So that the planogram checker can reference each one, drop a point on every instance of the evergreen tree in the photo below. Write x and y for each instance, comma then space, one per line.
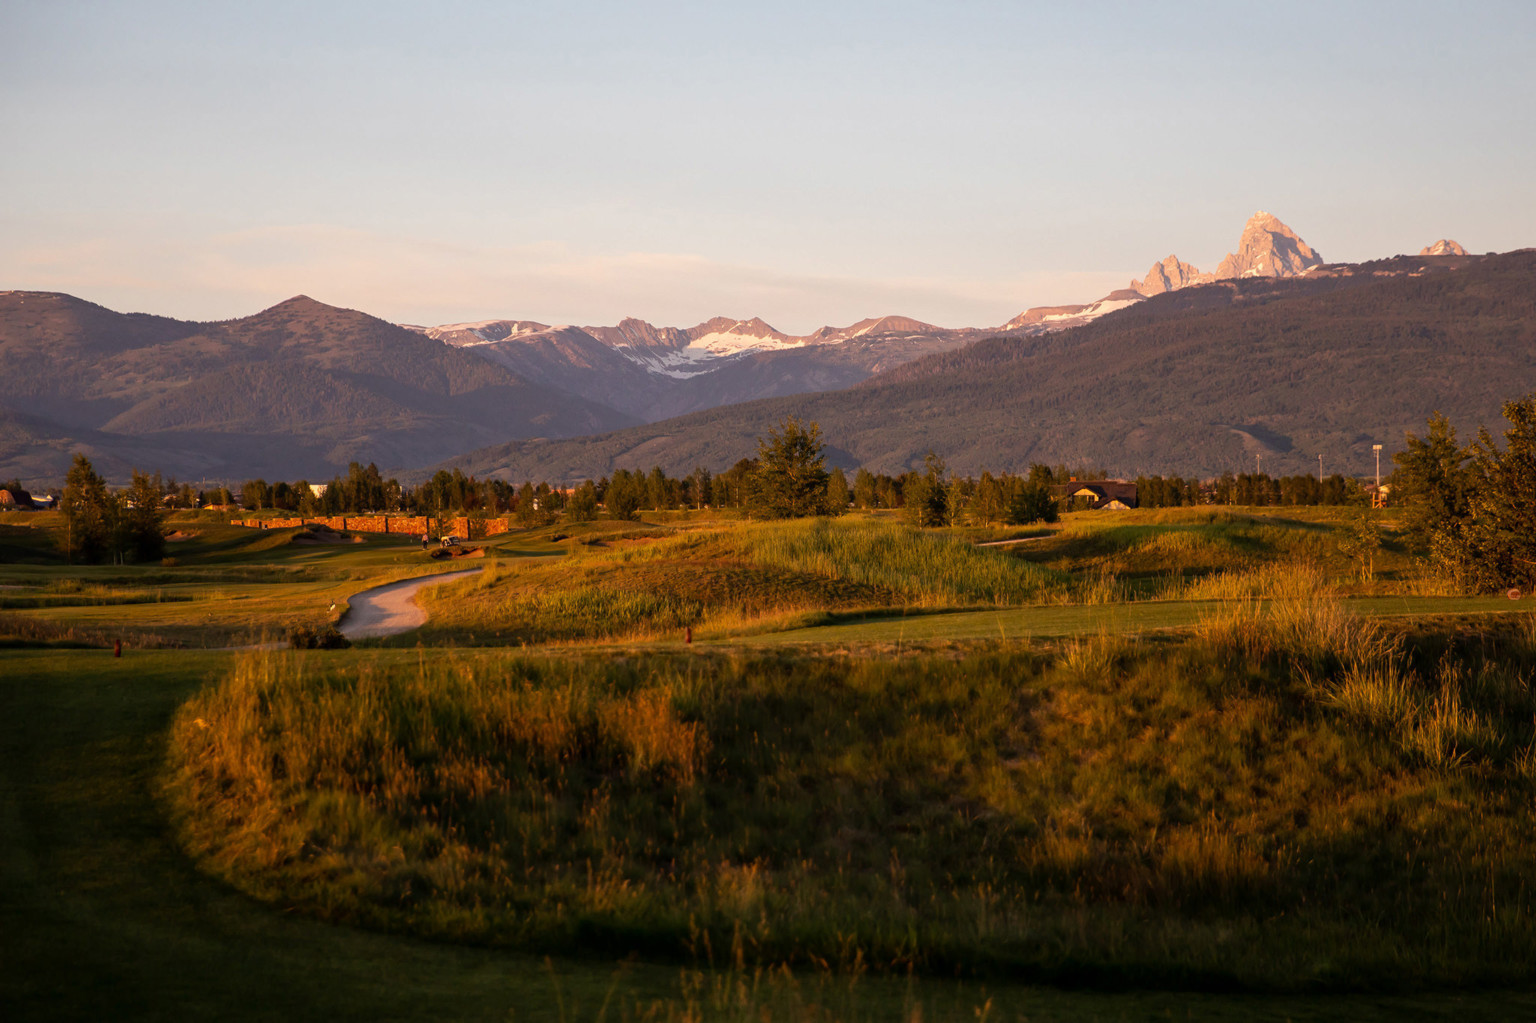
927, 493
837, 492
791, 476
864, 494
988, 505
531, 510
582, 507
1031, 502
1501, 538
141, 518
656, 495
624, 495
89, 512
1431, 482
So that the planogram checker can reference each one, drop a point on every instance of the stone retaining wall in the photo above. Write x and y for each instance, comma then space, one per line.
408, 525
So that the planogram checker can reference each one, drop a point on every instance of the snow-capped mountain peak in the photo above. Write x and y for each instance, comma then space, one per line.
465, 335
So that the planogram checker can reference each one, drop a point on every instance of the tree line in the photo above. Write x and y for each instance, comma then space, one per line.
1257, 488
102, 524
1472, 508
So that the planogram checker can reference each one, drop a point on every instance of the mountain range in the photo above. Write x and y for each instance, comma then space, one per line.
302, 388
655, 373
1257, 370
297, 390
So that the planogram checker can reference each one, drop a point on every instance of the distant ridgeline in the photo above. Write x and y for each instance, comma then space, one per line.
1275, 355
1197, 381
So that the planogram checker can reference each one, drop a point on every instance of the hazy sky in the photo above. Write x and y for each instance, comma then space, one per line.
807, 163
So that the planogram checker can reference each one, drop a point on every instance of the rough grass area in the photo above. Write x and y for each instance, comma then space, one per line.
1288, 799
726, 580
1221, 553
928, 569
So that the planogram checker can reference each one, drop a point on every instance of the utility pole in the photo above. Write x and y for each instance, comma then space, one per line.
1319, 467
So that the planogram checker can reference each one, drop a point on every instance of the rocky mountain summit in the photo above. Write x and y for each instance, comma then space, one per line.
1267, 248
1169, 275
1443, 247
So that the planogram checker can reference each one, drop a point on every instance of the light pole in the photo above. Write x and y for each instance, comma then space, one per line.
1319, 467
1376, 501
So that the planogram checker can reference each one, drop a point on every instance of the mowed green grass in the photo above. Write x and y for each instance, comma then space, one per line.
1090, 619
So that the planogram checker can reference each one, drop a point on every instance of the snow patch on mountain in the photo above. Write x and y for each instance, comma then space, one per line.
1093, 311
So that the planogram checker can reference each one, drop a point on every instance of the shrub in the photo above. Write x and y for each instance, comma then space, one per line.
317, 637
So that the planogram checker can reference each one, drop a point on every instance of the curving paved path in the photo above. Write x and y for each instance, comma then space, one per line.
392, 609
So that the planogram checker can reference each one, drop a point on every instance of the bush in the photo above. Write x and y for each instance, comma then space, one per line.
317, 637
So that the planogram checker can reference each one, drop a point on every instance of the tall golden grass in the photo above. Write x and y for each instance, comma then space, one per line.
926, 568
1055, 808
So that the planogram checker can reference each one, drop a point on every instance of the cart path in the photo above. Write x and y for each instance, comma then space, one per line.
389, 610
1022, 539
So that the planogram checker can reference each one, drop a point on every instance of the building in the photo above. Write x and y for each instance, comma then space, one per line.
1097, 495
16, 499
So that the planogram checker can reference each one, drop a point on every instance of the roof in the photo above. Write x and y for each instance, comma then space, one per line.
1104, 490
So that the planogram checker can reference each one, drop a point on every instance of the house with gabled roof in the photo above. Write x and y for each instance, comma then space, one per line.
1097, 495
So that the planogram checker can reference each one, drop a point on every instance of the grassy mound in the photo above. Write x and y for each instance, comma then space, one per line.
1288, 799
726, 578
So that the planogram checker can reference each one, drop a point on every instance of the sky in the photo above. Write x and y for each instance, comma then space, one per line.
809, 163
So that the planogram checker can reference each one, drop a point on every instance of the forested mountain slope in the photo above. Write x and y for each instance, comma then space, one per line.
1199, 380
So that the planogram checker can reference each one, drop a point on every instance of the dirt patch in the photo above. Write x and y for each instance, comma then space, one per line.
179, 536
455, 553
